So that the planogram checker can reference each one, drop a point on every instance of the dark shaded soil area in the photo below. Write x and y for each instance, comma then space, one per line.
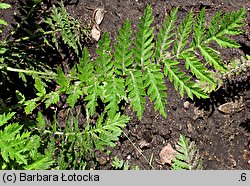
223, 140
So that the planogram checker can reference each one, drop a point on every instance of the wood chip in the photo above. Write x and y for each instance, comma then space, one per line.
167, 154
98, 15
97, 18
95, 32
232, 106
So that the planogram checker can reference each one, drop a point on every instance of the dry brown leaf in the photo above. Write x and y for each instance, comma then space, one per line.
98, 15
167, 154
232, 107
95, 32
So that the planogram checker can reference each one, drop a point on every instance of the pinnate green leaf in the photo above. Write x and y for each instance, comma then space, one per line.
136, 91
4, 118
156, 88
29, 106
51, 98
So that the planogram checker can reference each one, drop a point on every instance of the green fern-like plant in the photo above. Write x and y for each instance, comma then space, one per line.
187, 157
19, 150
74, 145
132, 72
236, 67
189, 52
108, 130
64, 27
128, 71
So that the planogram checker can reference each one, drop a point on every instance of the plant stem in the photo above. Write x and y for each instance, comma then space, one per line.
28, 71
149, 162
30, 37
49, 74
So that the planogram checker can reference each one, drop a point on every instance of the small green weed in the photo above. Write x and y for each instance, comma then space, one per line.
121, 165
187, 157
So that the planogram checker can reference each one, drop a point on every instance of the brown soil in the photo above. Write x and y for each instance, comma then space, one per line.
223, 140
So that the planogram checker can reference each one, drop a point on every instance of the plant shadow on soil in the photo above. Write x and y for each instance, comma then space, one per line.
222, 139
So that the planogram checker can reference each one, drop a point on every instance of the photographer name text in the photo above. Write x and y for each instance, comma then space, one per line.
61, 177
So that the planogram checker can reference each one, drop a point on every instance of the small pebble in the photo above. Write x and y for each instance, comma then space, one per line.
128, 157
186, 104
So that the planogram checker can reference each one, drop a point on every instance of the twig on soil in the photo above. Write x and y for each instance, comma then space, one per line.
149, 161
